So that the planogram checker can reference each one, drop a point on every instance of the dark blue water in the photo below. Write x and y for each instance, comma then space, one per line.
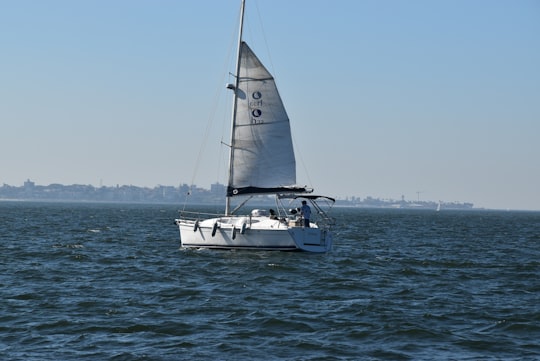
109, 282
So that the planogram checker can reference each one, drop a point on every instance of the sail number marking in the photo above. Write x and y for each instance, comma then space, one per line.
254, 106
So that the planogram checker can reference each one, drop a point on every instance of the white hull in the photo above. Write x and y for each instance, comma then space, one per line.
260, 233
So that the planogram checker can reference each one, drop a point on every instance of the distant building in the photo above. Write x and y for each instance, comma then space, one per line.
217, 189
29, 185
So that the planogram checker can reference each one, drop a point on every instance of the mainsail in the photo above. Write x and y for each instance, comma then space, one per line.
262, 155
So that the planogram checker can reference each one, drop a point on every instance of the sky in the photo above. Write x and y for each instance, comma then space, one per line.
430, 100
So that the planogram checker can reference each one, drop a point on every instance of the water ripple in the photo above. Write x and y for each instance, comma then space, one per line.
108, 282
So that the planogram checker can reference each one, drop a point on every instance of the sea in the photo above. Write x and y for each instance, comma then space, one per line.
94, 281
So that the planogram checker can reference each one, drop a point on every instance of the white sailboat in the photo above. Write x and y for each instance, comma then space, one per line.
261, 162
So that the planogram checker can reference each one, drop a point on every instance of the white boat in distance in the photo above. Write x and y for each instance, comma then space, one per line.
261, 162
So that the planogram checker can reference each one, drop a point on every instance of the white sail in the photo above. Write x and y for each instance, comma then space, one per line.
261, 160
262, 155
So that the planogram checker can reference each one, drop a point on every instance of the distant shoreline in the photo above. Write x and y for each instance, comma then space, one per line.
338, 206
29, 191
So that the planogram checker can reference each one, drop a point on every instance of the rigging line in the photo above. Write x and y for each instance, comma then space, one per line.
209, 123
211, 116
297, 151
265, 39
228, 107
224, 148
274, 76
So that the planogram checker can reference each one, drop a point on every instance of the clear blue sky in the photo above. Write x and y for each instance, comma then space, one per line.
386, 98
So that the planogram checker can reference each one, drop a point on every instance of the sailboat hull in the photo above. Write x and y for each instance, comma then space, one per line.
261, 162
252, 233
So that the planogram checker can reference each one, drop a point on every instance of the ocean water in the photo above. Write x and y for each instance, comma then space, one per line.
109, 282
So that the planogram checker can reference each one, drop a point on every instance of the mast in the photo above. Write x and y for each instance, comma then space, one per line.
235, 105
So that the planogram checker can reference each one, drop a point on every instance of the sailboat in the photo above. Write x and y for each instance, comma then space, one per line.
261, 162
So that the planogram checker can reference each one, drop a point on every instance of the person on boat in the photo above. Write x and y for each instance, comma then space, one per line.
305, 211
273, 214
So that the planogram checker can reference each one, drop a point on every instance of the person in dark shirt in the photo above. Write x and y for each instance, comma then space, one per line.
305, 211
